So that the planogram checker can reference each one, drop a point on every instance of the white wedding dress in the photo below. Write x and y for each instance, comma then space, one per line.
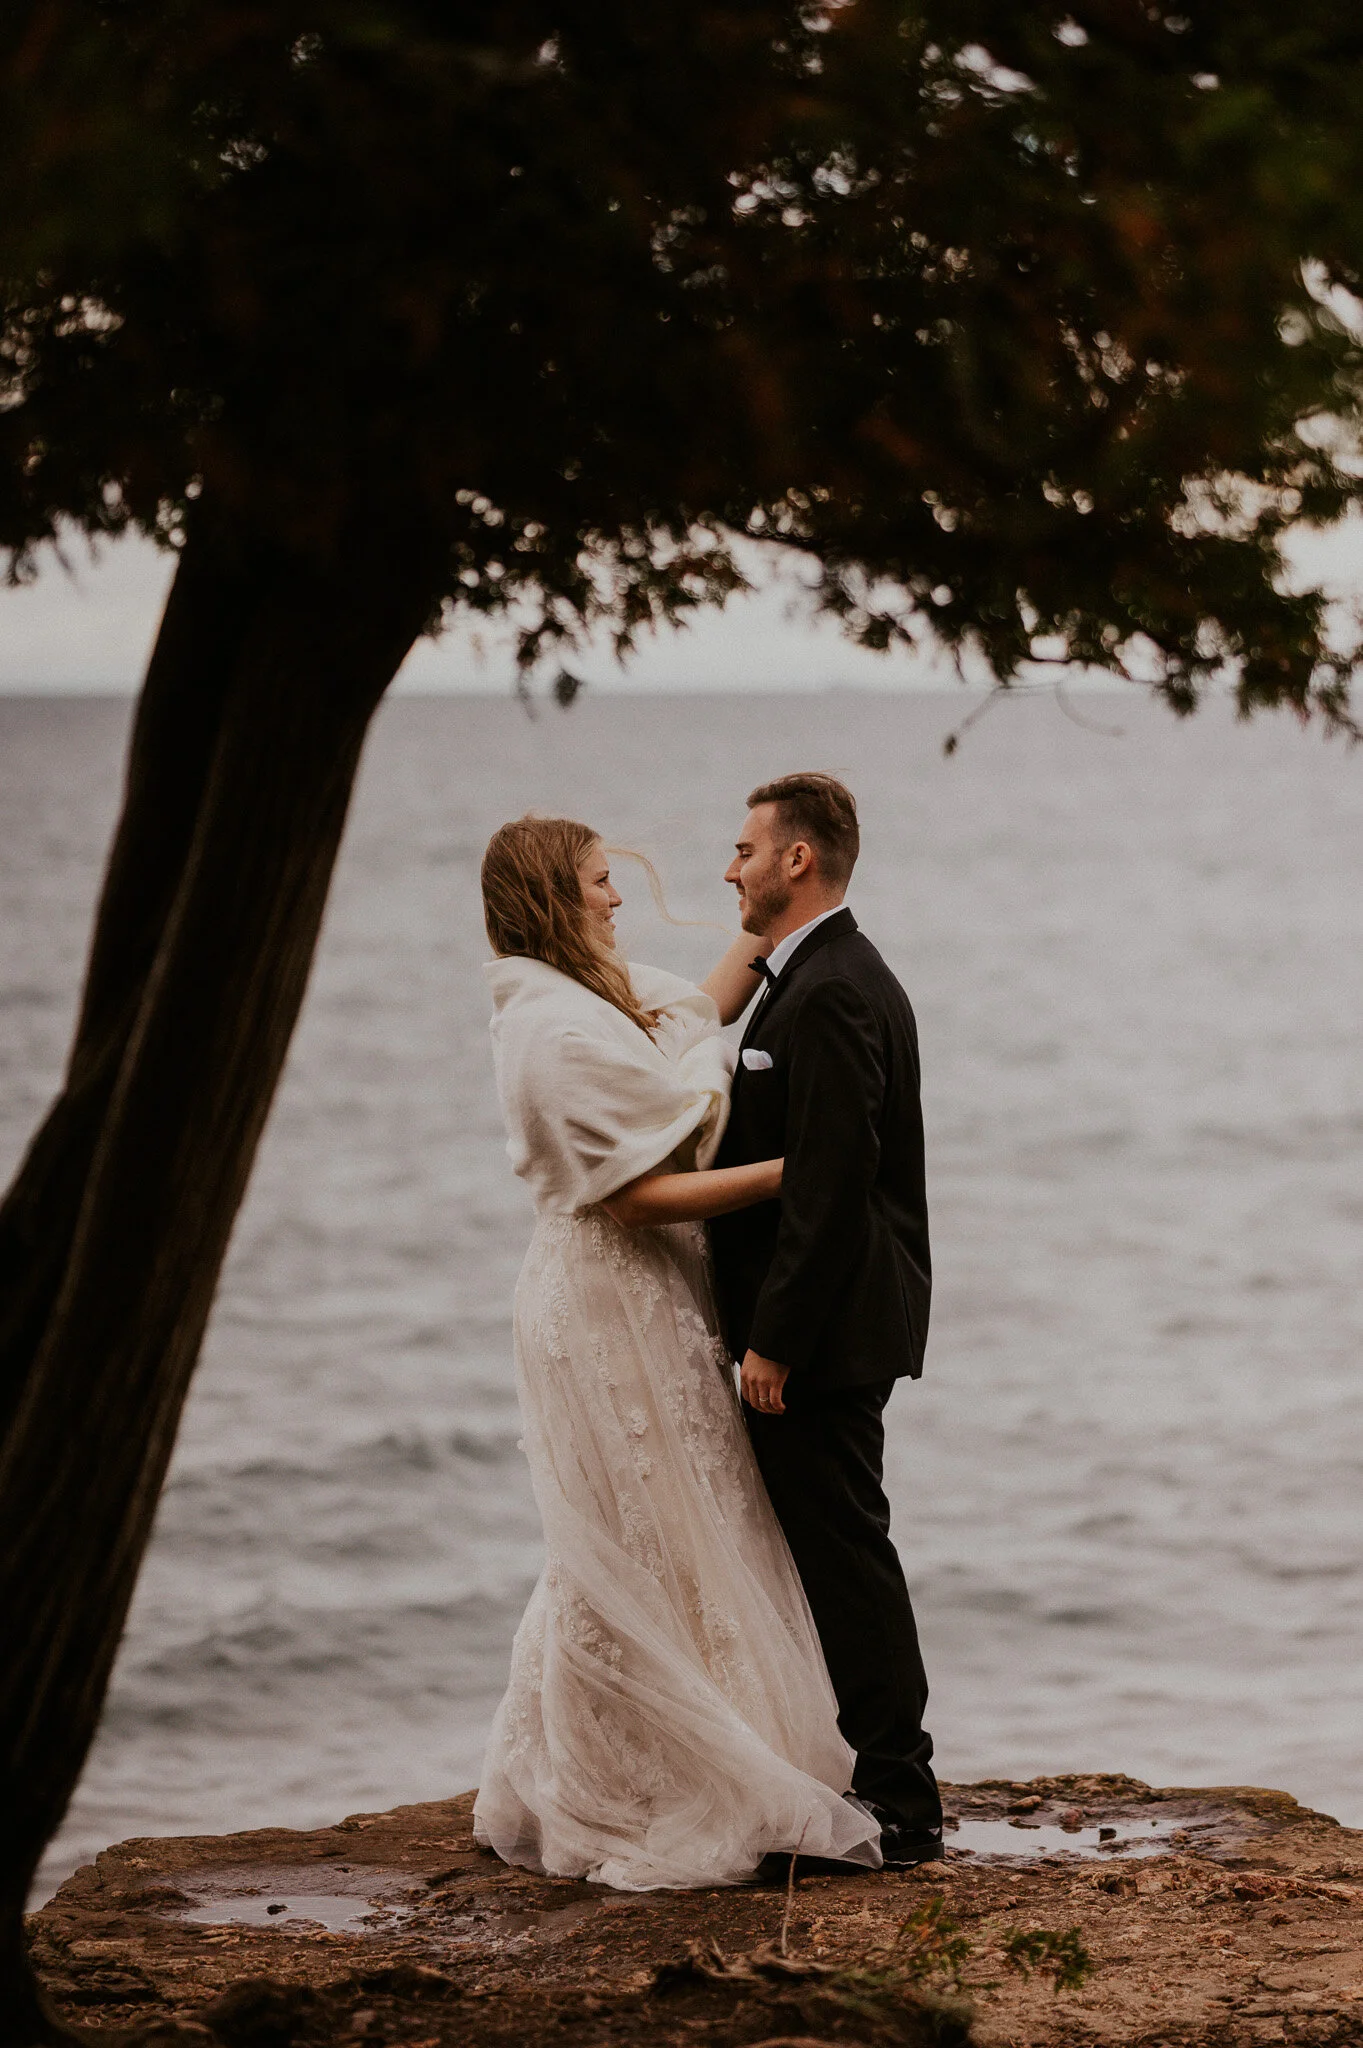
669, 1720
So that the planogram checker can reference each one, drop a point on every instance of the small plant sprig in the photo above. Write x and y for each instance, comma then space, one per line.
930, 1943
1057, 1952
927, 1944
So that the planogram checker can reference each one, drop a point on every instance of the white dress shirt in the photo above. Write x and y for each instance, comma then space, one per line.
779, 955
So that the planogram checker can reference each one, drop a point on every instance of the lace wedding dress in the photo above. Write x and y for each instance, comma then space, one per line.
669, 1720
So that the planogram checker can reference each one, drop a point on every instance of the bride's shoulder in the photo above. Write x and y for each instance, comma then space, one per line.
542, 1012
530, 995
519, 979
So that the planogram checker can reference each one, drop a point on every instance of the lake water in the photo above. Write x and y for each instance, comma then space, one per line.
1129, 1491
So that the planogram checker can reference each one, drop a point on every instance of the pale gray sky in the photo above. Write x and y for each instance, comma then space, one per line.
87, 627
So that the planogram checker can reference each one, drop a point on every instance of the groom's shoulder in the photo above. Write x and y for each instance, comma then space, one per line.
848, 957
853, 957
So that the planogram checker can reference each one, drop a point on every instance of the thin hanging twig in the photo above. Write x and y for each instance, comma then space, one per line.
953, 739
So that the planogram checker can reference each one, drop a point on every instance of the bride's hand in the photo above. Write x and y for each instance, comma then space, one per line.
731, 982
772, 1172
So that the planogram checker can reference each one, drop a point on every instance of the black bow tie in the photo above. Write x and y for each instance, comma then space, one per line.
761, 967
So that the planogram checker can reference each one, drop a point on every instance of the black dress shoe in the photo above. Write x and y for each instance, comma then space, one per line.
902, 1847
904, 1844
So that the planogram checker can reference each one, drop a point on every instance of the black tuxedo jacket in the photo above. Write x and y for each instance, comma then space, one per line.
833, 1280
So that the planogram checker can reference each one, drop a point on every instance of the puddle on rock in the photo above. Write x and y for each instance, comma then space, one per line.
284, 1911
1028, 1841
295, 1896
256, 1896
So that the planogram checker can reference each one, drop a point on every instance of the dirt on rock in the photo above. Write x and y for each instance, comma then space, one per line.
1074, 1910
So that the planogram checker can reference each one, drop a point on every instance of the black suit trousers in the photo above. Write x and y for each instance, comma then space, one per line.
822, 1463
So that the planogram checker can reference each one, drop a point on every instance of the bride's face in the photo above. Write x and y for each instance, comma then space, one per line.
599, 893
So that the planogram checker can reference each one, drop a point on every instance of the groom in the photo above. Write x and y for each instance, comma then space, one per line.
824, 1295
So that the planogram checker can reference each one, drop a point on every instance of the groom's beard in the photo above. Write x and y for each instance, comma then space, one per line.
764, 904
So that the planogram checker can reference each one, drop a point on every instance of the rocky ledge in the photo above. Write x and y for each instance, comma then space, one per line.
1069, 1910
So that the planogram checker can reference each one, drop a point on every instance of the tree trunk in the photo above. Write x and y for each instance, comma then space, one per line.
264, 680
169, 756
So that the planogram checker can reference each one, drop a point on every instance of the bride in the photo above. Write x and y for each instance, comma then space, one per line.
669, 1720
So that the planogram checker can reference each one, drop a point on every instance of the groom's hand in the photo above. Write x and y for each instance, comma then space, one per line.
761, 1380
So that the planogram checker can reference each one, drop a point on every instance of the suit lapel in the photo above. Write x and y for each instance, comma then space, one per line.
836, 927
763, 1004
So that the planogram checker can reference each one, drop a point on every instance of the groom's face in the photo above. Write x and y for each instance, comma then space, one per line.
758, 872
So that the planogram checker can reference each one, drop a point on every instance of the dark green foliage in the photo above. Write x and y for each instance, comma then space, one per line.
1058, 1953
996, 310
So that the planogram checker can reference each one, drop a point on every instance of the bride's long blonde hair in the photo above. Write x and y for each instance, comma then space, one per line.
534, 908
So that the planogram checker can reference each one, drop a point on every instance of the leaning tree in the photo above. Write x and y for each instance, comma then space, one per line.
1031, 328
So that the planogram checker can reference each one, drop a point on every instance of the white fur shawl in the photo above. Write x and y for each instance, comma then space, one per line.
590, 1101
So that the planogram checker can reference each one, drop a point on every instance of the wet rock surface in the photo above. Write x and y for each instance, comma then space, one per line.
1069, 1910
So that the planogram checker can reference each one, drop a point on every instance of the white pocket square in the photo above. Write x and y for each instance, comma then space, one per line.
756, 1062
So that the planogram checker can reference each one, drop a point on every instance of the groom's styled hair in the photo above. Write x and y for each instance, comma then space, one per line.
820, 809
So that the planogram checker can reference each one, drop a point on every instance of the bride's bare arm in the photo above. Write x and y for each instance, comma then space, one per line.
691, 1197
731, 981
